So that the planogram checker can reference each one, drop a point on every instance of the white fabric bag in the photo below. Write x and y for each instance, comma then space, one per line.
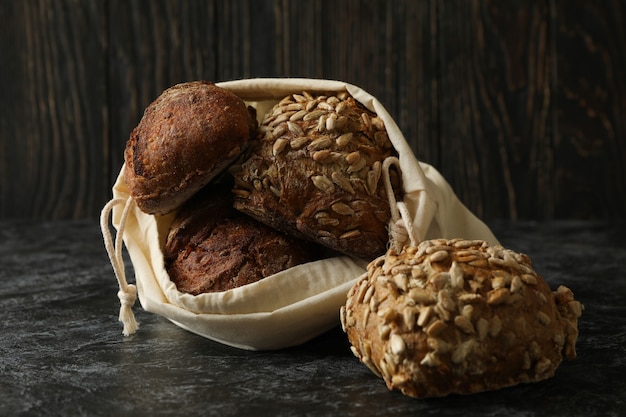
297, 304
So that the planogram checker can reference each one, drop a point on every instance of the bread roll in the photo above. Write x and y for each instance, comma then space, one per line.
456, 316
212, 247
188, 135
315, 173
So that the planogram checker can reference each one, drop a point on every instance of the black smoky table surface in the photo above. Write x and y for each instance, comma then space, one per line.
62, 352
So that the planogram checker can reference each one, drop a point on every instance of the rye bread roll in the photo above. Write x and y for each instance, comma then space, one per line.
187, 136
315, 173
456, 316
212, 247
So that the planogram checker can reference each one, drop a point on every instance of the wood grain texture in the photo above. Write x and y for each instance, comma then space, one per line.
54, 130
495, 106
519, 104
590, 141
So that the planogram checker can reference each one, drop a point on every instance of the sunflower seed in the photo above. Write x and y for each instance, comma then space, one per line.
462, 244
321, 125
331, 122
297, 143
353, 157
495, 325
543, 366
408, 316
323, 183
275, 191
342, 182
315, 114
286, 101
282, 118
445, 301
342, 208
534, 349
373, 176
430, 360
461, 352
300, 98
342, 318
467, 311
241, 193
387, 315
498, 296
482, 327
397, 345
328, 221
516, 284
321, 156
378, 123
497, 283
422, 296
350, 234
456, 275
529, 279
298, 115
435, 328
374, 303
367, 297
344, 139
320, 143
279, 131
293, 106
401, 281
470, 298
366, 120
279, 146
440, 279
324, 105
464, 325
479, 263
356, 167
543, 318
295, 128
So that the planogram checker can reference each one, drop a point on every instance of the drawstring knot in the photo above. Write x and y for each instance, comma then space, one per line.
127, 292
127, 300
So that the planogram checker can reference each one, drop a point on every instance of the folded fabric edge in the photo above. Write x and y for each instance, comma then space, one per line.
286, 327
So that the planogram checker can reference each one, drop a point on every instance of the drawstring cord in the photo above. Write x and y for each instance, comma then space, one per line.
400, 225
127, 292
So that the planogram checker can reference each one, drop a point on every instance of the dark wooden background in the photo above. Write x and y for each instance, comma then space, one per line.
520, 104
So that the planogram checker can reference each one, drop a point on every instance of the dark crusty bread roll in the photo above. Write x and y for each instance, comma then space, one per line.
315, 173
212, 247
189, 134
456, 316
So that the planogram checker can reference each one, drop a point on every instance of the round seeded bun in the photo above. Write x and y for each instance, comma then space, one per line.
212, 247
457, 316
188, 135
315, 173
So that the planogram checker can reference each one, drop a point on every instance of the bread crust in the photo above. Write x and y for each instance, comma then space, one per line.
212, 247
315, 173
187, 136
455, 316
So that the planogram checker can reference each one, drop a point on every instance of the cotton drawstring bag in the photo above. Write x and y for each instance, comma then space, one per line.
297, 304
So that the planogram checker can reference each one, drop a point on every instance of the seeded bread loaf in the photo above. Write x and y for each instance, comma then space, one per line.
315, 173
189, 134
212, 247
456, 316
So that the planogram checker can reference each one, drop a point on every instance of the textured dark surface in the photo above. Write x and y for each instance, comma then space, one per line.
62, 352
